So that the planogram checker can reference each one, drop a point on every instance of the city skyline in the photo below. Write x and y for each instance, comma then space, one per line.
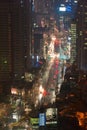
23, 25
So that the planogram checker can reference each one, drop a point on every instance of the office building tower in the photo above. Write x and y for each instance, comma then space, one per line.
73, 42
40, 20
15, 39
65, 9
42, 12
82, 34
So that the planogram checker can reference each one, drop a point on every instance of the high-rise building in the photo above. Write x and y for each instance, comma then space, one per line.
82, 34
42, 15
65, 9
40, 21
15, 39
73, 42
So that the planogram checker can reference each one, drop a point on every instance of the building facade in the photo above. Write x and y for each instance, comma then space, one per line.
73, 42
15, 39
42, 12
82, 35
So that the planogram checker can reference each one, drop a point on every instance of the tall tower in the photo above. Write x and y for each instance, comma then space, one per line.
73, 42
15, 39
41, 10
5, 43
82, 34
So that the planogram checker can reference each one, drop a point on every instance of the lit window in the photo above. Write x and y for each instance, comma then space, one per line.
85, 43
81, 5
21, 3
75, 1
85, 48
66, 1
80, 33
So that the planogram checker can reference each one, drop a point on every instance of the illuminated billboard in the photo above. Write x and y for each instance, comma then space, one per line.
51, 116
42, 119
68, 8
62, 9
